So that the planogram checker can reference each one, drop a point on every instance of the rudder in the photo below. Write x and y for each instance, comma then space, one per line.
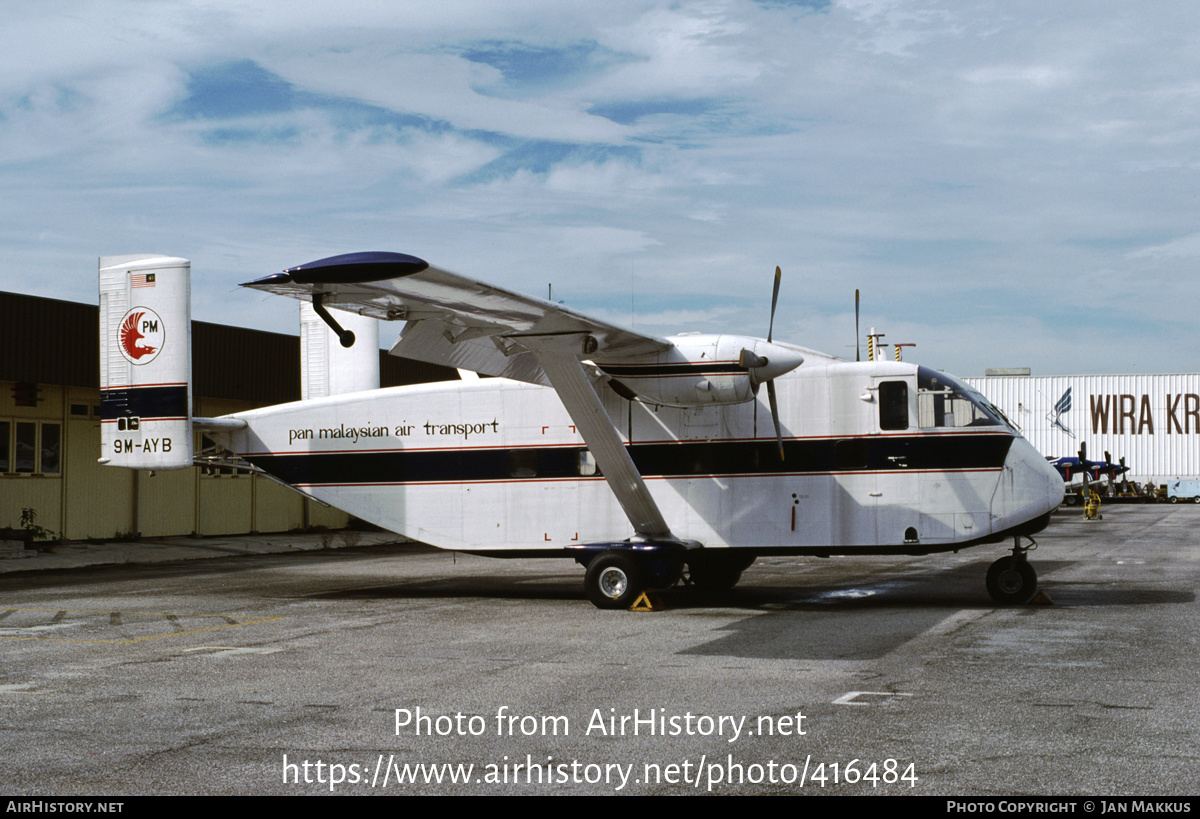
145, 362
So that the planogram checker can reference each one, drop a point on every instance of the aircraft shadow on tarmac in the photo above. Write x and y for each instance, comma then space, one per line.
851, 621
869, 620
859, 617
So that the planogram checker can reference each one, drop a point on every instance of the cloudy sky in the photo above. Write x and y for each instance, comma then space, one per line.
1008, 183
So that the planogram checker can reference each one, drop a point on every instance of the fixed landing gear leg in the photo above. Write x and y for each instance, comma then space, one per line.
1011, 580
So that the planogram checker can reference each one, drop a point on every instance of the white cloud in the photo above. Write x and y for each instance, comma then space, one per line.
1185, 247
972, 167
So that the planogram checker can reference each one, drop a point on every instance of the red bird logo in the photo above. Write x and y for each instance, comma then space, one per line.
130, 338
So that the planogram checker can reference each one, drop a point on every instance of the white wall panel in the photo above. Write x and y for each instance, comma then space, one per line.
1153, 421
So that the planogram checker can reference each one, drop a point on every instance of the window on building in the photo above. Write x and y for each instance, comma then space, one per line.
30, 447
51, 440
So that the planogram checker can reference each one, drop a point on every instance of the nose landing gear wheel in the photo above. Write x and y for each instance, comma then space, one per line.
1011, 580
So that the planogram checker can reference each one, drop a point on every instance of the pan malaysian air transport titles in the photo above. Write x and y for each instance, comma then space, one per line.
643, 458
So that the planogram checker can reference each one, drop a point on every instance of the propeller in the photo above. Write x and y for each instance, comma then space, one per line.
774, 302
1085, 466
760, 369
856, 335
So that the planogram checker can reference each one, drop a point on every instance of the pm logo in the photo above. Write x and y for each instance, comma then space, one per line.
141, 335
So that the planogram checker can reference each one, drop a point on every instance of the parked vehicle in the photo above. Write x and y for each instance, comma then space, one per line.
1183, 489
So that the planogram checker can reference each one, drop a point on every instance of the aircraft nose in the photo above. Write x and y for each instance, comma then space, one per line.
1029, 489
1054, 487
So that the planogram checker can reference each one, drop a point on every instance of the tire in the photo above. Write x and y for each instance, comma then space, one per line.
1196, 499
1011, 581
613, 581
1174, 500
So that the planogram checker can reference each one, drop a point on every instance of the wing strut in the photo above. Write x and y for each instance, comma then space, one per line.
571, 383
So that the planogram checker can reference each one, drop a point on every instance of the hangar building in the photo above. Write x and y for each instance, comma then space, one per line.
50, 430
1152, 421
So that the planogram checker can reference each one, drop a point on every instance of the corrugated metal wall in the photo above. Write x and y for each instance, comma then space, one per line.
1153, 421
54, 346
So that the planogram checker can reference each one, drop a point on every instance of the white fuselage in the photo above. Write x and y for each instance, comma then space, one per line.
498, 466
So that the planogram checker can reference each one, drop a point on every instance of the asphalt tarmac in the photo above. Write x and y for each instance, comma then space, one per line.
301, 665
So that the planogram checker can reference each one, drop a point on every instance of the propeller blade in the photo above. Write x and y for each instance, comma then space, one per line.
774, 301
1085, 466
856, 336
775, 415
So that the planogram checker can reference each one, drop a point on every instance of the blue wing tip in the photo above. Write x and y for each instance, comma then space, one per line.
349, 268
274, 278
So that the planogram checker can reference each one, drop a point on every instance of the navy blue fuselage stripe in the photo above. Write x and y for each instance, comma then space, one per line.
657, 370
688, 459
144, 402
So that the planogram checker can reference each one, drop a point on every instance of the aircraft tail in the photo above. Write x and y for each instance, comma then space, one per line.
145, 362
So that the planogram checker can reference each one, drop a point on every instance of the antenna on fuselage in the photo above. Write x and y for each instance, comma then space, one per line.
873, 343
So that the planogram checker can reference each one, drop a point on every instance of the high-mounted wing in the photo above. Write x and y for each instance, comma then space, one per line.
463, 323
452, 320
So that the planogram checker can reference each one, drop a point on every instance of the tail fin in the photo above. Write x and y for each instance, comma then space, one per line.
145, 362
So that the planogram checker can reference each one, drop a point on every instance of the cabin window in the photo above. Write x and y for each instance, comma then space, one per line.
893, 405
587, 464
522, 463
850, 453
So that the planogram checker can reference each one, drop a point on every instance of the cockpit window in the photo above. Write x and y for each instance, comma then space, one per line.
944, 401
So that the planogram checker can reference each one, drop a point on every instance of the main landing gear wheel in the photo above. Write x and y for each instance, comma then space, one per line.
1011, 580
613, 581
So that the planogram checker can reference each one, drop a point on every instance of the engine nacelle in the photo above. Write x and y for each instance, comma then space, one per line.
702, 369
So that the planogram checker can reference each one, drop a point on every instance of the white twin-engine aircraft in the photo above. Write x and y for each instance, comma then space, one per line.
640, 457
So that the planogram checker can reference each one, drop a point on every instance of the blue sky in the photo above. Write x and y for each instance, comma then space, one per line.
1009, 184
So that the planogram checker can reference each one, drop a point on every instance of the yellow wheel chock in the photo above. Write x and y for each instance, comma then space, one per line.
647, 601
